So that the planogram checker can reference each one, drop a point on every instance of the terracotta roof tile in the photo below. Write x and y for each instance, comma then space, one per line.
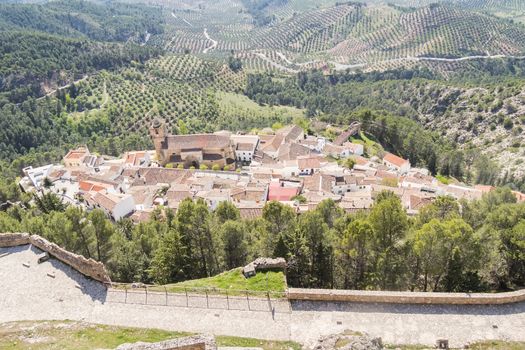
395, 160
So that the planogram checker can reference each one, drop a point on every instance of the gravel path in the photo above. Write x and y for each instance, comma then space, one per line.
29, 293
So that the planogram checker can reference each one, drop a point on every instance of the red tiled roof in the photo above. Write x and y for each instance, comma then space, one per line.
198, 141
279, 193
308, 163
484, 188
519, 196
393, 159
250, 213
77, 153
87, 186
105, 201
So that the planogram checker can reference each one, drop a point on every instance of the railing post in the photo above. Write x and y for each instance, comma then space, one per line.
207, 302
227, 300
166, 291
126, 297
248, 300
187, 301
146, 289
269, 302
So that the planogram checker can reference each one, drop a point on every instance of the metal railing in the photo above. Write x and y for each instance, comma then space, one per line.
195, 297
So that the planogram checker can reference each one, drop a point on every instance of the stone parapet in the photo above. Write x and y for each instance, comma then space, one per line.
13, 239
87, 267
334, 295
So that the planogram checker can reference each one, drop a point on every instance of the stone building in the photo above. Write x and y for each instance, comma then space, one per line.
191, 150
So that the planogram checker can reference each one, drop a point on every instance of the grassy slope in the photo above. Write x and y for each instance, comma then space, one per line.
234, 281
239, 109
69, 335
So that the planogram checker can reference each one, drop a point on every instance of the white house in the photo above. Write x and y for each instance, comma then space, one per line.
308, 165
116, 206
137, 159
314, 143
348, 183
245, 147
419, 182
214, 197
344, 151
37, 175
398, 164
353, 148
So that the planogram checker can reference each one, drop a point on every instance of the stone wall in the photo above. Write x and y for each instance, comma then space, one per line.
406, 297
13, 239
87, 267
198, 342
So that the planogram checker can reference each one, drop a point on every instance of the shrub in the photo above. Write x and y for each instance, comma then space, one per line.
508, 124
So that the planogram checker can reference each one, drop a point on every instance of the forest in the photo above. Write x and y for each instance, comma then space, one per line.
449, 246
111, 21
30, 61
259, 10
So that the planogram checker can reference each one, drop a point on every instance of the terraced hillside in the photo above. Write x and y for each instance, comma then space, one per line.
368, 36
204, 94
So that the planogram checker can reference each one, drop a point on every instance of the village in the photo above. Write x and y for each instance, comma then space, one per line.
285, 165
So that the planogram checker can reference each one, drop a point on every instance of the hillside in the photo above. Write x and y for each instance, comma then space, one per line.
345, 35
476, 117
203, 94
106, 22
33, 64
188, 63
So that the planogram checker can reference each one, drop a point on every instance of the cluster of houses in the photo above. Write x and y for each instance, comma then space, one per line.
247, 170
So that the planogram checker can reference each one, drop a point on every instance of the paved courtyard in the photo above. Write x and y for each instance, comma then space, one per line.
54, 291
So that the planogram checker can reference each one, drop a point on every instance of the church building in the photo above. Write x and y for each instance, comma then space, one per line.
191, 150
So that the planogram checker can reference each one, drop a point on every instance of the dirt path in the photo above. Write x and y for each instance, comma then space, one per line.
275, 64
214, 43
146, 39
106, 96
63, 87
183, 19
339, 66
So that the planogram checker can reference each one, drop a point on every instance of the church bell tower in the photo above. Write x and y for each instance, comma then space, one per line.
158, 133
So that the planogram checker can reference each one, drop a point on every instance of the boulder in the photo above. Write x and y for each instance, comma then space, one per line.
198, 342
348, 341
262, 264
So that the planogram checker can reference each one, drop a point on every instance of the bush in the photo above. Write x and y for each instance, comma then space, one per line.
508, 124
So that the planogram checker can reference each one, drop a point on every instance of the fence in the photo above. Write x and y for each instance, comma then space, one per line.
206, 298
